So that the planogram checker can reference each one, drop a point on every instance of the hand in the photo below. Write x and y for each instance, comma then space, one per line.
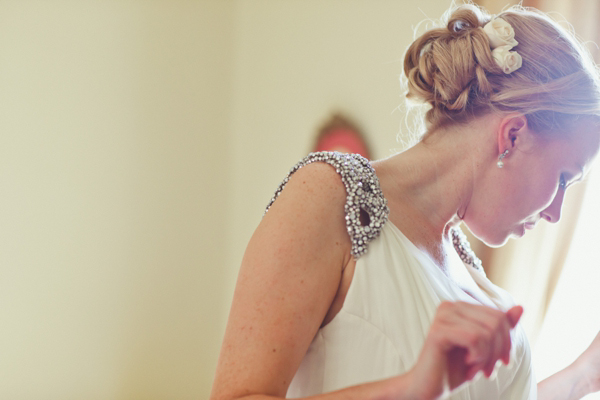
463, 339
589, 365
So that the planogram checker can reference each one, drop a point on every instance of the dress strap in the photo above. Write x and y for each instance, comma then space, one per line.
363, 196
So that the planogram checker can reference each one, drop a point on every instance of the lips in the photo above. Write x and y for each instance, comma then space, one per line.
529, 225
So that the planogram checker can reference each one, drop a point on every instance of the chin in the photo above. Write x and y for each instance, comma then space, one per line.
495, 243
490, 239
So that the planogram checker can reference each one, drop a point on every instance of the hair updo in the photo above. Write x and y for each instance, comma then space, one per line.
452, 70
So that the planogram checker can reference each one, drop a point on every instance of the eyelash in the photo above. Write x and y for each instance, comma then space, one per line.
562, 183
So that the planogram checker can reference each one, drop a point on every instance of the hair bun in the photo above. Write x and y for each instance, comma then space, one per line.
465, 18
452, 69
447, 67
459, 26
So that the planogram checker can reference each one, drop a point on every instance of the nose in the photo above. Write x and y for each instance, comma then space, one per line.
552, 212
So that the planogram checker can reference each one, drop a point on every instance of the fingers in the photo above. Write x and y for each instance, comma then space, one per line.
497, 323
473, 338
463, 339
456, 345
483, 331
514, 314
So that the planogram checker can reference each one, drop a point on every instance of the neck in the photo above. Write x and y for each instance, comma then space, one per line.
429, 186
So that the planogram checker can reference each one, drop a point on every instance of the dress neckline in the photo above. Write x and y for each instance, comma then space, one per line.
478, 277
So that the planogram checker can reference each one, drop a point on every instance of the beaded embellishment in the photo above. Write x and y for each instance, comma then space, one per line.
463, 248
362, 193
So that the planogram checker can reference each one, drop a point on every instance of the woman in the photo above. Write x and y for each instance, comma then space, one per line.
358, 284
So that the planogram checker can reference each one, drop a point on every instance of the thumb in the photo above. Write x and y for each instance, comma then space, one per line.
514, 314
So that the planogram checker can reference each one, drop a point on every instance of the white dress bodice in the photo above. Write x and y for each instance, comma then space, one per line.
381, 328
391, 302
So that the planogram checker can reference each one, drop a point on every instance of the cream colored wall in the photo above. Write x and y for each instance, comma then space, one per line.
113, 172
296, 62
140, 144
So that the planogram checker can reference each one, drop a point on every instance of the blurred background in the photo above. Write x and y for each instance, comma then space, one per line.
139, 144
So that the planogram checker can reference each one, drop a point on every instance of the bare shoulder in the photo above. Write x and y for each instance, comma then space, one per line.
315, 188
288, 279
306, 224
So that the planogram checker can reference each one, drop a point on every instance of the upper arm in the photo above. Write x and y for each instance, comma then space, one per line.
289, 276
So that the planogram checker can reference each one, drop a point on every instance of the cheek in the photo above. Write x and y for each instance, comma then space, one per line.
533, 196
545, 194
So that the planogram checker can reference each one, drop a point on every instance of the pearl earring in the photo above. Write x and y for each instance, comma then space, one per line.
500, 163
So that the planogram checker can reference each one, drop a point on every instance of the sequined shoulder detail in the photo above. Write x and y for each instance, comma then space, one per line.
362, 193
463, 248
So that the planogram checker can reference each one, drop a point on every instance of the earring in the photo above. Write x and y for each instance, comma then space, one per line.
500, 163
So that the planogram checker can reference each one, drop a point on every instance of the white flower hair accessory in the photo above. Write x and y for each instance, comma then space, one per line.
508, 60
502, 39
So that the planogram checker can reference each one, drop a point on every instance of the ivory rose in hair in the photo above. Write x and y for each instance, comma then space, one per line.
500, 33
508, 60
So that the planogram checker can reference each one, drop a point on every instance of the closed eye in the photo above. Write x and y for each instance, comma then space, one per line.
562, 183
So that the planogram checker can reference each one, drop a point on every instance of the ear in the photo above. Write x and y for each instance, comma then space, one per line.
512, 133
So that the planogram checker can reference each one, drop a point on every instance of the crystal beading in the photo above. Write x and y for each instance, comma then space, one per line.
362, 193
463, 248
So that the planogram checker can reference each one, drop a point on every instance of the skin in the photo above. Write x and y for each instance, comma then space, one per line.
297, 267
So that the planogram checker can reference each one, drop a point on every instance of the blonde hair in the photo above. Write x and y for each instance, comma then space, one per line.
451, 70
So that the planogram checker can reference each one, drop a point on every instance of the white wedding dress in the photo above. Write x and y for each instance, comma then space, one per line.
391, 302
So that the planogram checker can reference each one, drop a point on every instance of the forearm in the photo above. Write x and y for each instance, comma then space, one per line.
396, 388
568, 384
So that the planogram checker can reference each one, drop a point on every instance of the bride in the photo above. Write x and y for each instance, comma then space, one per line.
359, 284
